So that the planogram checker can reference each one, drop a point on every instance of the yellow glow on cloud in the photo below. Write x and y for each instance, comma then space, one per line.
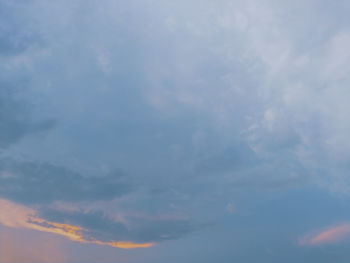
126, 245
328, 236
19, 216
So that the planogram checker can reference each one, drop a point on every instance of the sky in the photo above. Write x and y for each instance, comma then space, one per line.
153, 131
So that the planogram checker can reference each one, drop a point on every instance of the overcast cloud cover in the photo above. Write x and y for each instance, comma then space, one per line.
189, 131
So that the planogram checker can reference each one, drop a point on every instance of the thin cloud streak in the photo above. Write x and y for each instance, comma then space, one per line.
18, 216
330, 235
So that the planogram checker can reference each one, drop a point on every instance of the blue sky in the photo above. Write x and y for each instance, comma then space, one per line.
174, 131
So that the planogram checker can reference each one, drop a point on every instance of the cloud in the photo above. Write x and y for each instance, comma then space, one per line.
329, 235
95, 227
205, 100
35, 183
139, 229
18, 216
15, 118
15, 37
18, 42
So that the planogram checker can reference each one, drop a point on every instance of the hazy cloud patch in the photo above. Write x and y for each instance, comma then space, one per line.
141, 229
42, 183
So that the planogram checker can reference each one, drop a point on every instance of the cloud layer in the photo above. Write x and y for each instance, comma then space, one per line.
35, 183
221, 126
95, 227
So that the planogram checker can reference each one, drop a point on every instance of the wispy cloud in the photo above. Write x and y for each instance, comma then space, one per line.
329, 235
19, 216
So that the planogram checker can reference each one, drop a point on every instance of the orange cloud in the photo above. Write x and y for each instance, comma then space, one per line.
125, 245
19, 216
328, 236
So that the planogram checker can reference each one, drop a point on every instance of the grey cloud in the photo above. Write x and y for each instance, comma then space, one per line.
34, 183
158, 230
15, 119
241, 166
233, 158
16, 35
98, 226
14, 43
